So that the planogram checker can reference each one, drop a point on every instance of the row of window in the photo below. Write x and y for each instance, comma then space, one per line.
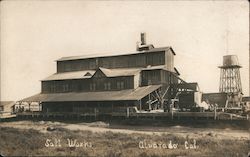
137, 60
107, 86
52, 87
158, 76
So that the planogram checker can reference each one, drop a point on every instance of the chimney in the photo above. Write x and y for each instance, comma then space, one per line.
137, 45
143, 38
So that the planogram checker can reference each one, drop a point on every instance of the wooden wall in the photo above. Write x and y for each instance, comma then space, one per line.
154, 77
151, 77
88, 107
169, 60
95, 84
123, 61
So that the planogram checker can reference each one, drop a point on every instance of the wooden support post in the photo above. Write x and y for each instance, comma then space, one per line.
140, 104
29, 105
149, 102
19, 106
215, 114
40, 106
95, 113
112, 105
172, 113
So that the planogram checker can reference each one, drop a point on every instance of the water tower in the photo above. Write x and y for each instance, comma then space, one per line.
230, 81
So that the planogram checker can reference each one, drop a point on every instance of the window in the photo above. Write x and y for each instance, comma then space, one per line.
52, 87
107, 86
1, 108
78, 86
120, 85
149, 82
65, 87
67, 66
92, 86
92, 64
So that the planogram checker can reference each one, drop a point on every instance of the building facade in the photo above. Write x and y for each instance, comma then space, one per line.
107, 83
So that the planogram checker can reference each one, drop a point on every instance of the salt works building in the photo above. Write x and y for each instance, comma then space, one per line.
145, 79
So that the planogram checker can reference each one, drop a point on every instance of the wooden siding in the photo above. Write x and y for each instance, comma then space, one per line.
154, 77
95, 84
123, 61
151, 77
168, 77
87, 107
137, 81
169, 60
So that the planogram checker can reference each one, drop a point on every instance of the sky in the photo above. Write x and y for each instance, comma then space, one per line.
36, 33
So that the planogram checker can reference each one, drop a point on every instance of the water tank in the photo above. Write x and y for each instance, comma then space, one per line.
230, 60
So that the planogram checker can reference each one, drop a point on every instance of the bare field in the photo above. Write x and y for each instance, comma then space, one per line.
101, 139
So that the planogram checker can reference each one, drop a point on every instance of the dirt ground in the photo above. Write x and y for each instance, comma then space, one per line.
23, 138
102, 127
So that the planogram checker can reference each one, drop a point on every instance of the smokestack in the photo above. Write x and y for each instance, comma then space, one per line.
143, 38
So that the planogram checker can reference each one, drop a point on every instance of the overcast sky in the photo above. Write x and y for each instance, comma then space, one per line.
36, 33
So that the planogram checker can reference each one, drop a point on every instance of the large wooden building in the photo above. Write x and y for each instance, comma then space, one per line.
146, 79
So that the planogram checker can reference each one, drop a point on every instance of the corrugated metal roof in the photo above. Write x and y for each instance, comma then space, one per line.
70, 75
109, 55
90, 73
108, 72
129, 94
120, 72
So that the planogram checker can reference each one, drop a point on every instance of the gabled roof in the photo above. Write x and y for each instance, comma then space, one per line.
70, 75
120, 72
172, 50
176, 71
109, 55
122, 95
89, 73
107, 72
